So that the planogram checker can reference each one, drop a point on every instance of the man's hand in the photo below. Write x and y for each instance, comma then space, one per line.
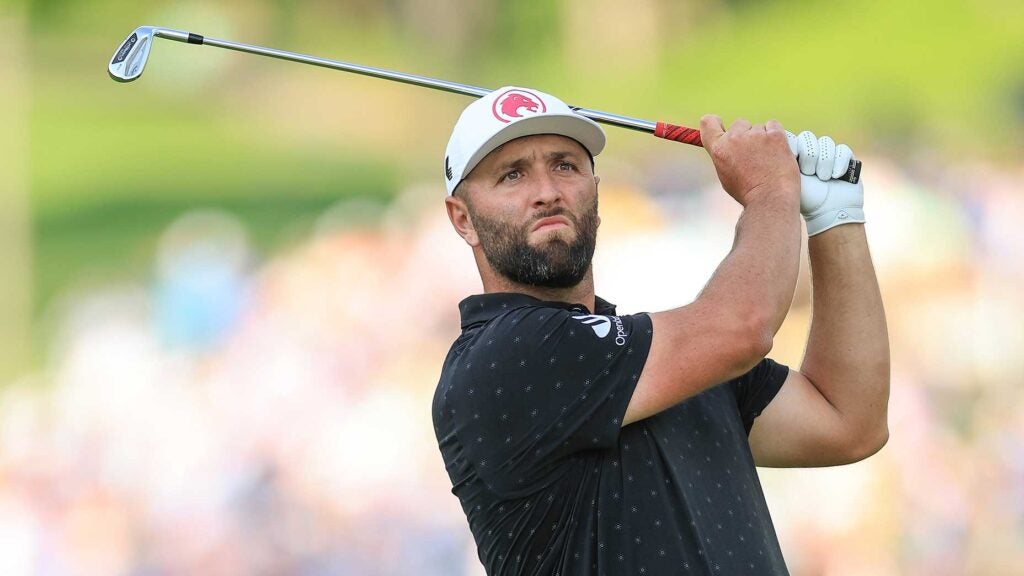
750, 160
824, 201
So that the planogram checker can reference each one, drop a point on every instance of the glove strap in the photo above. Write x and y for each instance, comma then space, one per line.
818, 223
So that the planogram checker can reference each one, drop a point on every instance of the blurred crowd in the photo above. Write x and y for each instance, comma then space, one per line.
245, 414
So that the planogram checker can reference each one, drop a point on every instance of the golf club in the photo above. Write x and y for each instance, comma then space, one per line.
129, 61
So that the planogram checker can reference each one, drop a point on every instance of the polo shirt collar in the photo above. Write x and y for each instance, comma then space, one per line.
484, 307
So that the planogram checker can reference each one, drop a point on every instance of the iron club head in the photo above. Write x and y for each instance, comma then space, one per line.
129, 60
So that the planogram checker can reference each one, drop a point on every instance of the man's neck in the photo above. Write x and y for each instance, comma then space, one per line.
582, 293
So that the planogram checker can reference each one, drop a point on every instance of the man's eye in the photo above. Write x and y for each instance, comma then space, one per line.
511, 175
566, 166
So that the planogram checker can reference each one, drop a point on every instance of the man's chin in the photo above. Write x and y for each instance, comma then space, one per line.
555, 251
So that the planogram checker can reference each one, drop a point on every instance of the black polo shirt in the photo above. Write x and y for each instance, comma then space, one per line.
528, 415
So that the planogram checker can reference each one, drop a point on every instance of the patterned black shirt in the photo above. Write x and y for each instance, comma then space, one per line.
528, 415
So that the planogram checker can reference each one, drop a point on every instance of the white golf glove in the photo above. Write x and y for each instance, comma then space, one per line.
824, 201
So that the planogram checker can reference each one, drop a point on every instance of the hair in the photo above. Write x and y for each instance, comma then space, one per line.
459, 193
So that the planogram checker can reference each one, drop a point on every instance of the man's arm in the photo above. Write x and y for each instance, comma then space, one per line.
834, 410
729, 328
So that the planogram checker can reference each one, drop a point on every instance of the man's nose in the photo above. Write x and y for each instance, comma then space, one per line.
548, 190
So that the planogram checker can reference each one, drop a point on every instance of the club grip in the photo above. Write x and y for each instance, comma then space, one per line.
692, 137
677, 133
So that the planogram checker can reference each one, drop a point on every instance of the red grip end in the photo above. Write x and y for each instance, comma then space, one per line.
678, 133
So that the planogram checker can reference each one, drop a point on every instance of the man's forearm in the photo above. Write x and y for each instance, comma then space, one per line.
847, 355
759, 275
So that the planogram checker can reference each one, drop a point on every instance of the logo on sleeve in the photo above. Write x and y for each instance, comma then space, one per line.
602, 325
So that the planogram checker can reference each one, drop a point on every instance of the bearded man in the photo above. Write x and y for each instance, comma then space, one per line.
584, 442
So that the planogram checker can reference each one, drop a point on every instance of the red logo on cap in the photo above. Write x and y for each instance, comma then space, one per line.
507, 105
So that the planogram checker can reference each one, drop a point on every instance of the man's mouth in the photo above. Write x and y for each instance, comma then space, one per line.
550, 223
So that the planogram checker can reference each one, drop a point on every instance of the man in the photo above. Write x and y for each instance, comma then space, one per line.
582, 442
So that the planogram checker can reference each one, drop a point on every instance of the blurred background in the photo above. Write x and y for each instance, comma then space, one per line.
228, 287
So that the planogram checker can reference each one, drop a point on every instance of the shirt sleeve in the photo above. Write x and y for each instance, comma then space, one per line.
756, 389
539, 384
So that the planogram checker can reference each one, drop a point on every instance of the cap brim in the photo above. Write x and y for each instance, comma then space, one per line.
579, 128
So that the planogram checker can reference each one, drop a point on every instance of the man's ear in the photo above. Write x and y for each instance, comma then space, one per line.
458, 213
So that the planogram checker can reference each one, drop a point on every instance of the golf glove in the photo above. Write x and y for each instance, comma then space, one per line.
825, 202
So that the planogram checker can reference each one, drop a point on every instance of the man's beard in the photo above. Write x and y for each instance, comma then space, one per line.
554, 264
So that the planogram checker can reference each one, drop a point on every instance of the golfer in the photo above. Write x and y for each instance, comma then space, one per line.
584, 442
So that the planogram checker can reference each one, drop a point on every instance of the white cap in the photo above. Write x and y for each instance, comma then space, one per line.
506, 114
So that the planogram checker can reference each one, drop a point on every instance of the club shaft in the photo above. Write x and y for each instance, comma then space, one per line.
128, 62
454, 87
